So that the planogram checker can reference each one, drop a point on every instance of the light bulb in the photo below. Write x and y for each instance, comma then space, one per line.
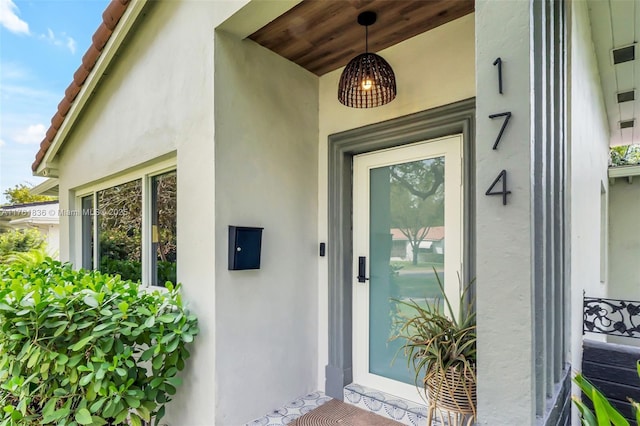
367, 84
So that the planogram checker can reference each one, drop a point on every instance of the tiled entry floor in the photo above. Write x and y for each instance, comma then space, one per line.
371, 400
385, 405
292, 410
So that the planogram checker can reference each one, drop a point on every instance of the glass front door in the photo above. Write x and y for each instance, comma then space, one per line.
407, 228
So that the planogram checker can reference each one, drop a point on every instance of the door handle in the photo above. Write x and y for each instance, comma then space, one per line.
362, 269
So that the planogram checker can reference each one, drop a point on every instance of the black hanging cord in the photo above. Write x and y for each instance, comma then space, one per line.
366, 39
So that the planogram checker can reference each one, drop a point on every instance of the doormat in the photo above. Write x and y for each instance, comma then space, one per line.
338, 413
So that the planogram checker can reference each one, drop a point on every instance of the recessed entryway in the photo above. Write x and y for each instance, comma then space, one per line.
453, 119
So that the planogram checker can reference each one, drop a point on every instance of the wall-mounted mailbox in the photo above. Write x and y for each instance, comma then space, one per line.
244, 247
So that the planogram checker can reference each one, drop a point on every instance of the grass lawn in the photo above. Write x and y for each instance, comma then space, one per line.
418, 286
427, 266
418, 281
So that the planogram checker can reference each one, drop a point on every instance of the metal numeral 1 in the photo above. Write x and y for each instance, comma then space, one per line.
498, 62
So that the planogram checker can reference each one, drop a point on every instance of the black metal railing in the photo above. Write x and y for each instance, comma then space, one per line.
611, 316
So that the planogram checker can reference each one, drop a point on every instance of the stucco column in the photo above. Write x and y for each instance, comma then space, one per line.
505, 305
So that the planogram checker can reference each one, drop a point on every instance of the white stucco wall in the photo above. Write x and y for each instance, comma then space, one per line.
624, 242
157, 101
432, 69
53, 239
504, 236
589, 141
266, 153
624, 245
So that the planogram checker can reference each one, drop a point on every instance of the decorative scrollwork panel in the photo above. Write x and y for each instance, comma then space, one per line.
612, 316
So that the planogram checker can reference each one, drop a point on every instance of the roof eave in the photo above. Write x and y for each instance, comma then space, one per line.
35, 221
624, 171
48, 166
48, 187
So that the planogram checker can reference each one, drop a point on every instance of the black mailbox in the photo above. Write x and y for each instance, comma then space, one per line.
244, 247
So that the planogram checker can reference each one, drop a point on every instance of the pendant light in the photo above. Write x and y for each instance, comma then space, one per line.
368, 80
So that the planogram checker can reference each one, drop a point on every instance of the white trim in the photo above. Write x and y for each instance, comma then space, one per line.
47, 166
36, 221
94, 229
451, 148
146, 244
152, 169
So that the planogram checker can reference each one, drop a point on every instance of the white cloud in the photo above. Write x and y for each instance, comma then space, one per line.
60, 40
13, 71
71, 44
9, 18
31, 135
1, 143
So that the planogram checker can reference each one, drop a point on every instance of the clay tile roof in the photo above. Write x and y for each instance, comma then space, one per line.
110, 18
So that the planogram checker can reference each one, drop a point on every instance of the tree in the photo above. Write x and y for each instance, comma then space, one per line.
417, 199
20, 241
21, 194
624, 155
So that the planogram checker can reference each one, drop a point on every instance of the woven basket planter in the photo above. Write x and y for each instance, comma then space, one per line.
453, 391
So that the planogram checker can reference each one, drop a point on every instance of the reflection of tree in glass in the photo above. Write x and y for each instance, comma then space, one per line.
120, 229
167, 208
417, 199
165, 211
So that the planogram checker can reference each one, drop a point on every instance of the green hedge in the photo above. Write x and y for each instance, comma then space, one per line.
86, 348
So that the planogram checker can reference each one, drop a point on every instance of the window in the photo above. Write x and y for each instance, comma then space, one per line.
87, 232
163, 228
129, 228
119, 221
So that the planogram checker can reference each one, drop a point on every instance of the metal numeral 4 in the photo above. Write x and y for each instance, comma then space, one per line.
501, 177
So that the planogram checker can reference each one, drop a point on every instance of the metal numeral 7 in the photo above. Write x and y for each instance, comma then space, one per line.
504, 125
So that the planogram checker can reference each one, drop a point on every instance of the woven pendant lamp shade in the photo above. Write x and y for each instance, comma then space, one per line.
367, 81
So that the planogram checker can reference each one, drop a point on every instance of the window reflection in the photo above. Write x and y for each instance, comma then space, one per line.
406, 238
119, 218
163, 232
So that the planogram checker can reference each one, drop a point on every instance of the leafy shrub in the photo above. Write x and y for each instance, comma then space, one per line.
440, 346
80, 348
21, 240
624, 155
131, 270
120, 244
32, 257
603, 413
166, 272
127, 269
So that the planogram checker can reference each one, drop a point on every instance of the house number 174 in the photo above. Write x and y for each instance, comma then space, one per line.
494, 189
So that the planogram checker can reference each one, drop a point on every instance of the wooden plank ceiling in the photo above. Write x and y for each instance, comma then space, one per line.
323, 35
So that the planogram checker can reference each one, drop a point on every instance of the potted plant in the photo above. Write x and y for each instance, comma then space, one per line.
441, 348
86, 348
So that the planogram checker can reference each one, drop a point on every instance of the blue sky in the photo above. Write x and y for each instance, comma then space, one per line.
41, 45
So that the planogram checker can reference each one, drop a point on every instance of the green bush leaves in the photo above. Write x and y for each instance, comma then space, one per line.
85, 348
605, 414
